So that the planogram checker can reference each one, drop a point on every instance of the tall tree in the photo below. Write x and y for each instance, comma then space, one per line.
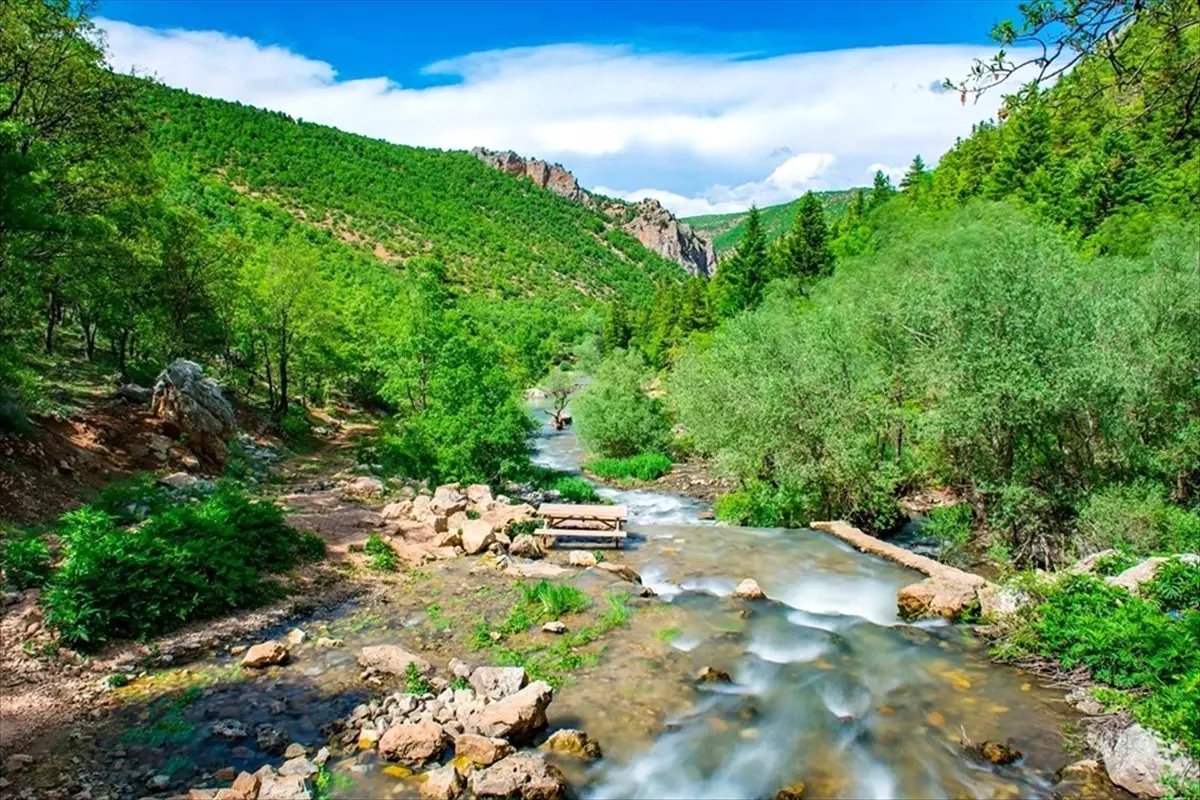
617, 329
913, 180
881, 189
739, 282
805, 253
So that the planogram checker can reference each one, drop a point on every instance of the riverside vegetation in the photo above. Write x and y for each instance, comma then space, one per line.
1017, 328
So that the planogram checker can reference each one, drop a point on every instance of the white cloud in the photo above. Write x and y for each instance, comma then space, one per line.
597, 107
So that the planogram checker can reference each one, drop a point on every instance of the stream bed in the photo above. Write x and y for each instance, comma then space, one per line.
829, 687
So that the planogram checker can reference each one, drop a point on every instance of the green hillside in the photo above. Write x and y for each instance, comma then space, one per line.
496, 235
725, 230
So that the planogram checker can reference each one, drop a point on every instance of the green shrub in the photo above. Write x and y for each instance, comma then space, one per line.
380, 555
762, 506
190, 561
132, 499
1123, 640
615, 416
1174, 710
643, 467
1138, 518
26, 561
950, 527
295, 427
1176, 585
576, 490
414, 681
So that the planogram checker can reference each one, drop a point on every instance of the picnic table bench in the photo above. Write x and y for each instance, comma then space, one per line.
582, 522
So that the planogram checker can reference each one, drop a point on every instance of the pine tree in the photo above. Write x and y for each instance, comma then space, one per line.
882, 189
740, 280
913, 180
858, 206
806, 254
617, 330
697, 314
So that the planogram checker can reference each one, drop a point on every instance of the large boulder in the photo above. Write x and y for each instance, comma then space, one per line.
1138, 761
442, 784
448, 499
479, 495
749, 590
526, 546
363, 488
413, 743
936, 598
581, 558
265, 654
997, 602
622, 571
571, 742
481, 750
522, 775
516, 716
193, 405
396, 511
502, 516
391, 659
477, 535
1133, 578
498, 682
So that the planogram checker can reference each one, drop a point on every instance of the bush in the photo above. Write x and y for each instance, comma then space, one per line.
1123, 640
762, 506
380, 555
295, 427
553, 599
191, 561
576, 490
950, 527
643, 467
1138, 518
1176, 585
614, 415
26, 561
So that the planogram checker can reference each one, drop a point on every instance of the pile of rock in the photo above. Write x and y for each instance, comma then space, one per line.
456, 521
446, 742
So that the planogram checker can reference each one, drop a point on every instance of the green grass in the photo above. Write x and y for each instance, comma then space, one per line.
575, 490
380, 555
643, 467
667, 635
553, 599
414, 681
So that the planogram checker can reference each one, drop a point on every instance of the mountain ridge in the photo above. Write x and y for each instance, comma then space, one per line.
653, 225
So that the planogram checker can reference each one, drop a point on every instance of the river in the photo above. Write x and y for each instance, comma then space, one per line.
829, 687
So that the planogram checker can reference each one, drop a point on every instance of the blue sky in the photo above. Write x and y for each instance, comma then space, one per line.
707, 106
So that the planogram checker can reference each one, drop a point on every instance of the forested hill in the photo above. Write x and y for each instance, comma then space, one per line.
494, 235
726, 230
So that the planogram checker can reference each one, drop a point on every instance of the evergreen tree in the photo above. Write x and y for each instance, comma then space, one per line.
915, 178
806, 254
739, 282
696, 314
882, 189
858, 206
617, 330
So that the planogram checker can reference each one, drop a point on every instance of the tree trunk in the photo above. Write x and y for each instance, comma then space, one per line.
53, 315
270, 375
283, 364
89, 339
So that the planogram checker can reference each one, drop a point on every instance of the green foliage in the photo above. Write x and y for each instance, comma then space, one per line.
553, 599
726, 230
804, 253
576, 490
643, 467
414, 681
614, 414
950, 527
1176, 585
380, 555
1139, 644
975, 350
460, 682
26, 560
740, 282
1137, 517
190, 561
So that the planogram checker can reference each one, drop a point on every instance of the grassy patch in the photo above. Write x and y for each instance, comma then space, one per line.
437, 617
576, 490
553, 599
414, 682
380, 555
642, 467
167, 725
667, 635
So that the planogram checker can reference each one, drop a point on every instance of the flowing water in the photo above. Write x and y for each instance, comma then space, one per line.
829, 686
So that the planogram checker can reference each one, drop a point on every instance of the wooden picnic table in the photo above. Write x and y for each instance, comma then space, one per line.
580, 521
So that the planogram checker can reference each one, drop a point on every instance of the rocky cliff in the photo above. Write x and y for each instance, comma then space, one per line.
651, 224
